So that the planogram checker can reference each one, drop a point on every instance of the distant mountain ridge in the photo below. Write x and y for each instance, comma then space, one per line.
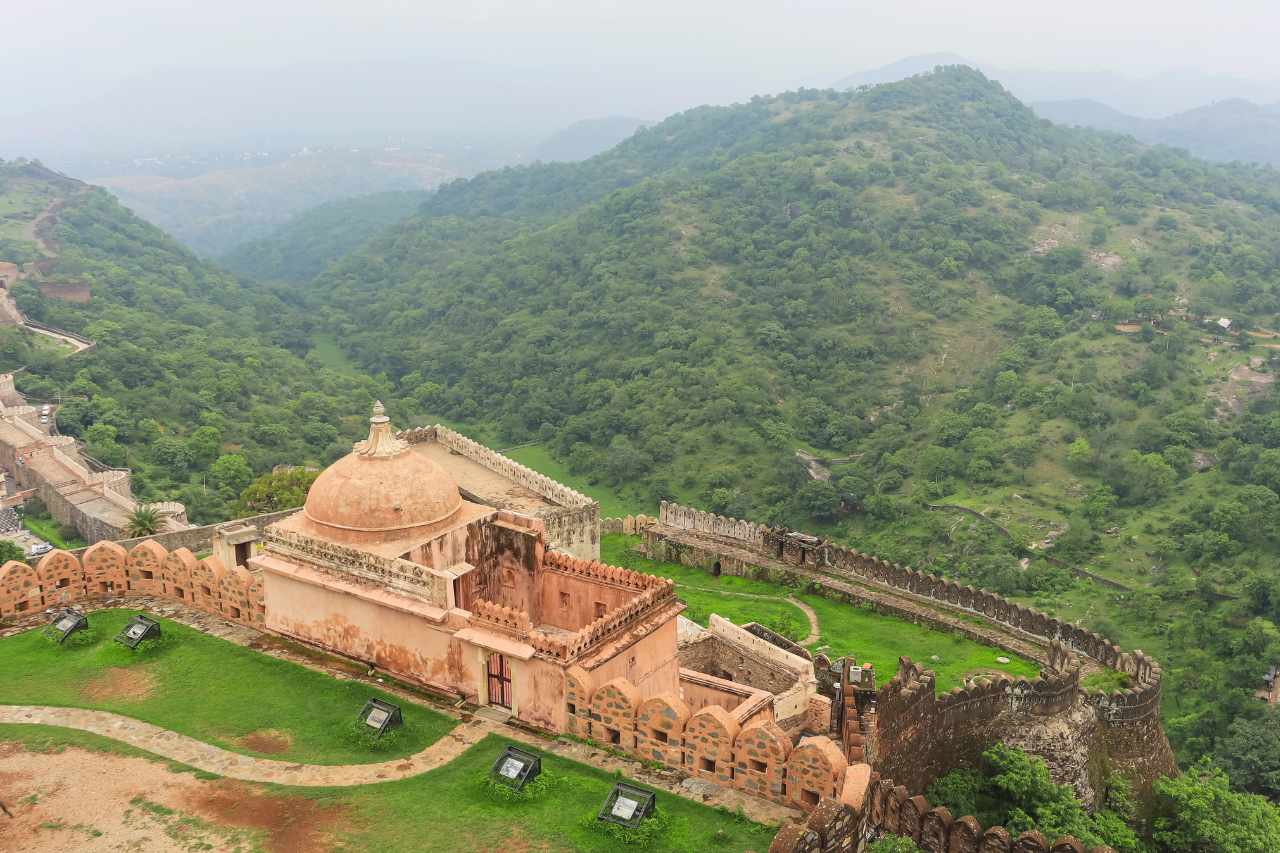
1233, 129
587, 138
1150, 97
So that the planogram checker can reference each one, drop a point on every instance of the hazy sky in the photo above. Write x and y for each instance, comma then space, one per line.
574, 58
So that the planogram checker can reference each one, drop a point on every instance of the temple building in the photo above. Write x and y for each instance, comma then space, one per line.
390, 562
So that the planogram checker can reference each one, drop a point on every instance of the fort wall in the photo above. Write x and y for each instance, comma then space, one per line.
871, 806
109, 570
916, 736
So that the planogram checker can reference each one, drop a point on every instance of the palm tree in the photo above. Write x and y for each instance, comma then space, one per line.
143, 521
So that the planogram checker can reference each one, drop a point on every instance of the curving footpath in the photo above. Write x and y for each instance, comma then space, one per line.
212, 759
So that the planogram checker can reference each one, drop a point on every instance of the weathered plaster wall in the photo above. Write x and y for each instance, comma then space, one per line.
399, 641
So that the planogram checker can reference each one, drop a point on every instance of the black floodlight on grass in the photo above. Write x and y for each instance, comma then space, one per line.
139, 628
516, 767
65, 623
628, 805
380, 716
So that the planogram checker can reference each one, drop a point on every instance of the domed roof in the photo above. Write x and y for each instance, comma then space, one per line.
381, 486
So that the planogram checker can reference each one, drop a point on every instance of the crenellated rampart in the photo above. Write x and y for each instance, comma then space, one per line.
107, 570
915, 735
874, 806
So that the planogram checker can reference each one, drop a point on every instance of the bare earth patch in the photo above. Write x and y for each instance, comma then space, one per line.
120, 683
267, 741
91, 801
290, 824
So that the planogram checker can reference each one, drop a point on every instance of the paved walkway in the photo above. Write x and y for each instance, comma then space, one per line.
212, 759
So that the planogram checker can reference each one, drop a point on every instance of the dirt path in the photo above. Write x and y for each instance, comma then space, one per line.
9, 312
814, 630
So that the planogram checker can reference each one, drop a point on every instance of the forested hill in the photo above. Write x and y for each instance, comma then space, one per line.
945, 298
300, 249
196, 382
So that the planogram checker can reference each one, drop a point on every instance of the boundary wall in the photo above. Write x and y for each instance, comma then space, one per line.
910, 733
876, 807
108, 570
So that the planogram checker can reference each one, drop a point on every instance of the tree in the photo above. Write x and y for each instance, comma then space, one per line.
1079, 453
1197, 812
230, 474
276, 490
10, 550
143, 521
818, 499
1250, 754
893, 844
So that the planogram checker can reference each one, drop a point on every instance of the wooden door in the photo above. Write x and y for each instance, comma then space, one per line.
499, 681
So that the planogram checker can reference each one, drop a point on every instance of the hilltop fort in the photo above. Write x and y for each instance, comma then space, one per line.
446, 564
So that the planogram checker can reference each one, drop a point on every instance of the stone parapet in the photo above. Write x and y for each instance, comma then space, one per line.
759, 757
106, 570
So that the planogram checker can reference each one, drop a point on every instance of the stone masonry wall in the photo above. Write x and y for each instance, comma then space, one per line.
872, 806
708, 744
198, 539
108, 570
910, 720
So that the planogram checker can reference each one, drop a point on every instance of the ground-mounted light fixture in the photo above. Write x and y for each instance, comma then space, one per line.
516, 768
380, 716
628, 805
65, 623
139, 628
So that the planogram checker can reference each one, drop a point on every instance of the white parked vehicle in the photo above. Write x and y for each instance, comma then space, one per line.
40, 548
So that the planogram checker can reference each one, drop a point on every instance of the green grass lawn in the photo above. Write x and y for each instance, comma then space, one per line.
209, 689
612, 504
448, 809
50, 531
845, 629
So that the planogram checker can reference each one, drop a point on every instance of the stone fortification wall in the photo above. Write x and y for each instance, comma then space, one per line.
107, 570
573, 527
629, 524
91, 501
920, 736
199, 539
709, 743
874, 806
688, 518
911, 727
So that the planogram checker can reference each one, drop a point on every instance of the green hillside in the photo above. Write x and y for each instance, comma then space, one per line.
197, 382
300, 249
941, 296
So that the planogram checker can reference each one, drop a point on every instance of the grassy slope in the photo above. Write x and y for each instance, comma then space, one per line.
612, 503
207, 688
845, 629
448, 810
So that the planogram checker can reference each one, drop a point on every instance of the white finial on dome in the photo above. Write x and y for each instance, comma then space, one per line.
381, 442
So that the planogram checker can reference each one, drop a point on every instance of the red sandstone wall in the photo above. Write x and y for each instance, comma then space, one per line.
707, 743
107, 570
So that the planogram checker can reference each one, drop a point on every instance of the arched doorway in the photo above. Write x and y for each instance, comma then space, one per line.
715, 570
